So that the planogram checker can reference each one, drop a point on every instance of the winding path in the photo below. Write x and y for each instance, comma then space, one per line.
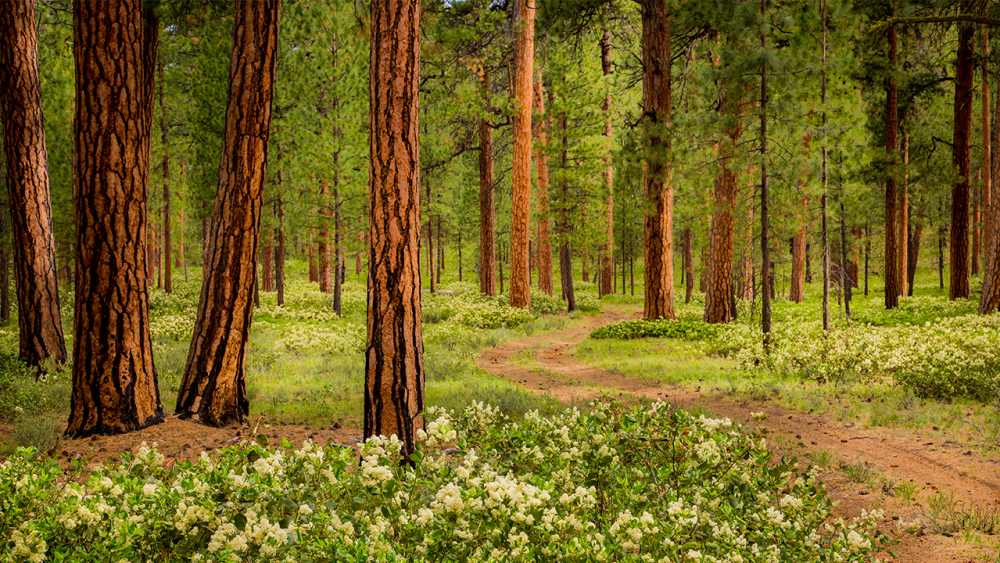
933, 467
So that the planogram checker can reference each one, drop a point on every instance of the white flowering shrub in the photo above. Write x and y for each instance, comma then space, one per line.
646, 484
344, 337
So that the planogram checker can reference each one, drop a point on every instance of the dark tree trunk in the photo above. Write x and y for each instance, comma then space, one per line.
39, 321
688, 266
796, 287
338, 225
891, 132
487, 216
324, 268
914, 241
658, 190
544, 221
520, 221
565, 251
607, 250
4, 248
167, 243
114, 381
214, 384
267, 260
279, 251
902, 227
961, 161
765, 219
394, 368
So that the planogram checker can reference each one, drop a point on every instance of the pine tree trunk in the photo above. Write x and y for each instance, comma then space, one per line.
607, 251
520, 221
891, 273
914, 243
324, 269
114, 380
987, 147
563, 225
338, 238
279, 251
487, 216
719, 286
4, 247
765, 219
167, 244
313, 269
214, 384
797, 286
39, 321
904, 218
430, 241
961, 161
976, 218
658, 190
584, 271
267, 261
394, 369
544, 220
688, 266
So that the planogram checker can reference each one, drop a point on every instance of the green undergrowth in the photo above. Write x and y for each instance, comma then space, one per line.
614, 484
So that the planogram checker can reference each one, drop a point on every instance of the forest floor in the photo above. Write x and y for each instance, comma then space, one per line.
946, 481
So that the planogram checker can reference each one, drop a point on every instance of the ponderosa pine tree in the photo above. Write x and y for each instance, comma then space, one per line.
394, 353
114, 381
659, 193
891, 134
214, 383
520, 222
607, 250
542, 169
39, 321
487, 203
962, 162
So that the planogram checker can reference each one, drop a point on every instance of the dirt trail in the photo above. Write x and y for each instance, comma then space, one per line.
933, 467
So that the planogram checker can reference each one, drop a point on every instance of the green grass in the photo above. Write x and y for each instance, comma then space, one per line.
657, 359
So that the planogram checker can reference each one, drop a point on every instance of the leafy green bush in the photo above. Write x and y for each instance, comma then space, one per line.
613, 485
660, 328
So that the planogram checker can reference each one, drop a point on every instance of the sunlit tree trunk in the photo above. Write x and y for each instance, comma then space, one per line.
962, 162
214, 384
719, 285
520, 222
658, 191
544, 220
394, 367
487, 215
114, 381
39, 321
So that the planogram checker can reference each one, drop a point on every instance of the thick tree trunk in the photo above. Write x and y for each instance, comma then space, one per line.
658, 191
607, 251
688, 266
39, 321
796, 292
114, 381
520, 221
961, 161
394, 369
719, 288
487, 215
892, 285
544, 220
214, 384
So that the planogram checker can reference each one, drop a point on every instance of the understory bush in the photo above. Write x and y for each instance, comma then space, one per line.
660, 328
647, 484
